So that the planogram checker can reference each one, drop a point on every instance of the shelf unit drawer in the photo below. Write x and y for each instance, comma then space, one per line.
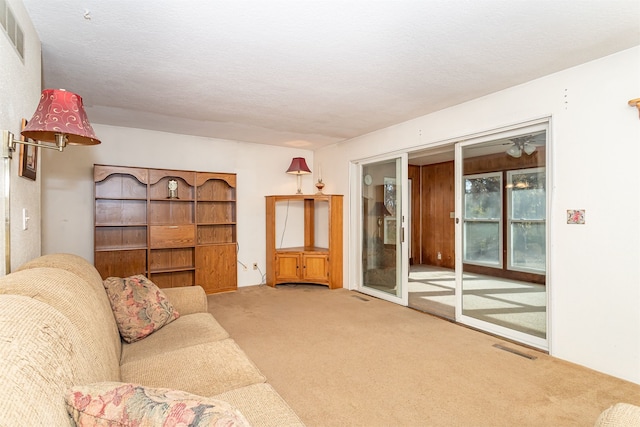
172, 236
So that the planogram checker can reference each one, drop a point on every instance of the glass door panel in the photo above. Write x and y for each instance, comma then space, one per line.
384, 253
501, 234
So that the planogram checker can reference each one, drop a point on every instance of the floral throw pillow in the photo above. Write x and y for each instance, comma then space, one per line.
122, 404
139, 306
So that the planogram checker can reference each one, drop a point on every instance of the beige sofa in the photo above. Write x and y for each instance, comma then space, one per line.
619, 415
57, 330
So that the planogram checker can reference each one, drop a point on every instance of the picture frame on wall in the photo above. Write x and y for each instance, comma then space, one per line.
28, 158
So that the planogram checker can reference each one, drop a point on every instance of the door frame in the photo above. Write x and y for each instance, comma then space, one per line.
355, 244
539, 124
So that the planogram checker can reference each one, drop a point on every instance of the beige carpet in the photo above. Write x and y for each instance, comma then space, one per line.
340, 358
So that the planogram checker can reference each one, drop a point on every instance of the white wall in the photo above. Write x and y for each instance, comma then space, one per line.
67, 193
20, 92
594, 268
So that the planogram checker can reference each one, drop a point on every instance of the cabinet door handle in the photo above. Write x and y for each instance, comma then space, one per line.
172, 226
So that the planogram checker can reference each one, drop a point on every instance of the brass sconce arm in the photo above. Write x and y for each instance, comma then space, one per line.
9, 143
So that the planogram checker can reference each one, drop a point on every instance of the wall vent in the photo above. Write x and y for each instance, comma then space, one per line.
12, 28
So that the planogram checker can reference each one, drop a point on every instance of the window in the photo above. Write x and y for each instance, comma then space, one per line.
525, 220
526, 199
483, 219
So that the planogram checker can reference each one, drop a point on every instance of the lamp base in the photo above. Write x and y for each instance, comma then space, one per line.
319, 186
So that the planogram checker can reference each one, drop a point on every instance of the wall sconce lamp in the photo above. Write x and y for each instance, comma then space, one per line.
59, 120
635, 103
299, 167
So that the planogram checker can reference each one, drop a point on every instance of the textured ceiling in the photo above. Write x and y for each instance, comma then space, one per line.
310, 73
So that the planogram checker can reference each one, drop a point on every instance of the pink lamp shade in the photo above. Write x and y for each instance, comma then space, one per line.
60, 112
298, 166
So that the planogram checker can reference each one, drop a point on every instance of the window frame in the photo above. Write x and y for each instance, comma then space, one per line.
509, 221
500, 221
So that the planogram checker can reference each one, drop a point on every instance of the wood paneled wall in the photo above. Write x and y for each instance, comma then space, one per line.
437, 201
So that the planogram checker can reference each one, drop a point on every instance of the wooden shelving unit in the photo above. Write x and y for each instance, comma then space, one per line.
175, 241
308, 263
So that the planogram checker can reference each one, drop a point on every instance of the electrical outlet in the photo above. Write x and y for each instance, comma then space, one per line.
255, 265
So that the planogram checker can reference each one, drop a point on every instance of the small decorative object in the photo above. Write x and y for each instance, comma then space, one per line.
319, 186
28, 158
173, 189
575, 216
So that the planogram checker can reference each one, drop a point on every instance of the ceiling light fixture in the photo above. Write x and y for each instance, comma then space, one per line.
519, 146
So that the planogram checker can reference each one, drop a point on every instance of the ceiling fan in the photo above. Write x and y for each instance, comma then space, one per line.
524, 144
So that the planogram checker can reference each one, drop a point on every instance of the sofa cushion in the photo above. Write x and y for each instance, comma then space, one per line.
112, 403
139, 306
262, 406
189, 330
204, 369
42, 354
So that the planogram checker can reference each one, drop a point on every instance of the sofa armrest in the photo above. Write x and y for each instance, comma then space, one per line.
187, 299
619, 415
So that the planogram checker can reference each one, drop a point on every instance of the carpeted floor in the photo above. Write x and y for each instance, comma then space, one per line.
340, 358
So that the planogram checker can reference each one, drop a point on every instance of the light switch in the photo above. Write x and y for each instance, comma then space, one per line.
25, 219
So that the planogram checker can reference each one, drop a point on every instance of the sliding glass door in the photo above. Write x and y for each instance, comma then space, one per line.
383, 225
501, 234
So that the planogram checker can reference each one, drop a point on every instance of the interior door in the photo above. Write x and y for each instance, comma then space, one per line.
383, 220
501, 233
